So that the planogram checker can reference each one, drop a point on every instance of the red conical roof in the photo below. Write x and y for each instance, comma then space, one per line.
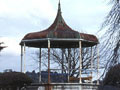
59, 30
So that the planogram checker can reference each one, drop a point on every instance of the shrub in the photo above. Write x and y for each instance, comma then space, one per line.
14, 79
113, 76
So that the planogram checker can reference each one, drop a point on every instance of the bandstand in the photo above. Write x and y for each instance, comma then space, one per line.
58, 35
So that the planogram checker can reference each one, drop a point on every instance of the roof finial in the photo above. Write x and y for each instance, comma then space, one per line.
59, 1
59, 6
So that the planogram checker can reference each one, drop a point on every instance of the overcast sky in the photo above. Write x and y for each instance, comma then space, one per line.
19, 17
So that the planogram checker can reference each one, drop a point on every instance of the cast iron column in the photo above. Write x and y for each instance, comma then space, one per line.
80, 47
39, 65
24, 57
21, 59
91, 63
48, 61
97, 64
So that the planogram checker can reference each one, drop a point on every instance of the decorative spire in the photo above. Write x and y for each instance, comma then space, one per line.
59, 2
59, 18
59, 7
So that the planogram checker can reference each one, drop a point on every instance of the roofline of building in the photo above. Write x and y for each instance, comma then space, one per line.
56, 39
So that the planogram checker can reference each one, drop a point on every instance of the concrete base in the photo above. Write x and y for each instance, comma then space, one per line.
63, 86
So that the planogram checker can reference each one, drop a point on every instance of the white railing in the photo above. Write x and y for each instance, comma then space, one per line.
63, 86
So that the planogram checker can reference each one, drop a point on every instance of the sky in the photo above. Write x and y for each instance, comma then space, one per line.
19, 17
